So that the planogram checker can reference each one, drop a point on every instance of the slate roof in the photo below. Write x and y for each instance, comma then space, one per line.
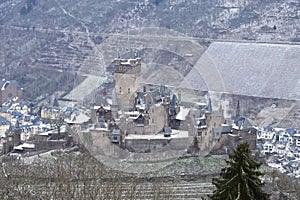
264, 70
116, 132
202, 122
155, 94
4, 121
209, 107
198, 113
291, 131
102, 123
140, 99
173, 101
162, 90
226, 129
269, 129
243, 123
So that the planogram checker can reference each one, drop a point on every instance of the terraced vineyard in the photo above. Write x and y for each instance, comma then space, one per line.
181, 190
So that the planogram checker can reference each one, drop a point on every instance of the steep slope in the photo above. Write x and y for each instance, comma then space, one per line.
64, 34
228, 19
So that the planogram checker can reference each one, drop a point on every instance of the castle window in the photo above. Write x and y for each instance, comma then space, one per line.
128, 90
120, 89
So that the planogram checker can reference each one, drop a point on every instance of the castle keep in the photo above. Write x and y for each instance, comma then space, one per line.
127, 81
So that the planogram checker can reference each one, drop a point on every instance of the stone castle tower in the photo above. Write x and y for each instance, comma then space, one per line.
127, 81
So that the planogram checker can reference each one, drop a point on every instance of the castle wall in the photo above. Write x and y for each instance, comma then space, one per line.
152, 145
145, 145
228, 142
249, 136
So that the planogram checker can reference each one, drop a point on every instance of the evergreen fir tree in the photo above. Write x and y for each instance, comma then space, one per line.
240, 180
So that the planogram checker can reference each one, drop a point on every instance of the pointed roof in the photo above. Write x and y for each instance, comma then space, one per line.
173, 101
162, 90
209, 106
17, 125
242, 123
202, 122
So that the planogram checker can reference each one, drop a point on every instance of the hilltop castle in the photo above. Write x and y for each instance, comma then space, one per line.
145, 118
145, 111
